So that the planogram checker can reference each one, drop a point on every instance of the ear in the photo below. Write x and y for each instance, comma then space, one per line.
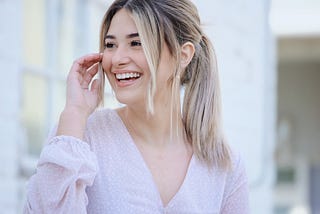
187, 52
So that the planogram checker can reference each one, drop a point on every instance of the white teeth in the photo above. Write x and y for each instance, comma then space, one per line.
127, 75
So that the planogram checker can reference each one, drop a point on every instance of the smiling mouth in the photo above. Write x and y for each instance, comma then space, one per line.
127, 76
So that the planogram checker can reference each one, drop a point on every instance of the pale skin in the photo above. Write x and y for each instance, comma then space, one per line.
166, 157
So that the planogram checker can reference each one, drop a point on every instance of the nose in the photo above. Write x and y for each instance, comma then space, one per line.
120, 57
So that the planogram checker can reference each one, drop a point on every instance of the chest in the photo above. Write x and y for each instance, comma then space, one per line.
168, 171
128, 182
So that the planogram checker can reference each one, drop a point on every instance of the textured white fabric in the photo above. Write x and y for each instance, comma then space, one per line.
107, 174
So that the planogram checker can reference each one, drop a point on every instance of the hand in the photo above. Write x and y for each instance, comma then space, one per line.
81, 100
80, 97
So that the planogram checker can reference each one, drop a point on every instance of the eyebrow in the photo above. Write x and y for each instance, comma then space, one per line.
129, 36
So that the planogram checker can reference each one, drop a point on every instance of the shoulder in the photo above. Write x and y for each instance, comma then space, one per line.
236, 175
103, 122
237, 162
101, 114
101, 118
237, 165
236, 191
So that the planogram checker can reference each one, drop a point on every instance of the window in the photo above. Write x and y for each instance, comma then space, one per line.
55, 33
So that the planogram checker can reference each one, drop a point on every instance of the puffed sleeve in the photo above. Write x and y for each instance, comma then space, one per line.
65, 168
236, 197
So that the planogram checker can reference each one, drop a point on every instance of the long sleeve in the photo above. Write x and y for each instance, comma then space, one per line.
65, 168
236, 199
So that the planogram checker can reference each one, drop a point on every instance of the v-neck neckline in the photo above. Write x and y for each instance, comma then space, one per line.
148, 171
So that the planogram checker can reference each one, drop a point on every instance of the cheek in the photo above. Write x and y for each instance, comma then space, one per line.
106, 61
142, 62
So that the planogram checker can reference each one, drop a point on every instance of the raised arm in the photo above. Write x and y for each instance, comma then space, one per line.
81, 101
67, 165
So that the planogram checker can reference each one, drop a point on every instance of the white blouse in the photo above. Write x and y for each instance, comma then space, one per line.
107, 174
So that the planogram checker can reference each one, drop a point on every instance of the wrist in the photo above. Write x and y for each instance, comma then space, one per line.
72, 122
76, 110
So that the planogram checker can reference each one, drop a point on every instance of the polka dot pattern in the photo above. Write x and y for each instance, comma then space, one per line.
107, 174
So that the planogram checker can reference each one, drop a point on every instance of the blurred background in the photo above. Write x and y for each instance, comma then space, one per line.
269, 59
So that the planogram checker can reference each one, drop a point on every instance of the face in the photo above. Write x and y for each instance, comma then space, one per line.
126, 66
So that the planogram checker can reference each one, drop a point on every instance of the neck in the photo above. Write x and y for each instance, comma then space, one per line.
159, 129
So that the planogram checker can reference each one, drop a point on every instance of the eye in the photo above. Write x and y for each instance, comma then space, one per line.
135, 43
109, 45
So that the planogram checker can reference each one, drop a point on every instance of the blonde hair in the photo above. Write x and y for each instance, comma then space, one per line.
174, 23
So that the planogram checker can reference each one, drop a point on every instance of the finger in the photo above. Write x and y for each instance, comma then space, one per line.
83, 63
87, 77
93, 70
88, 60
95, 87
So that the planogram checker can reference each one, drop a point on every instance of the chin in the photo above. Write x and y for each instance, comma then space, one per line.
128, 99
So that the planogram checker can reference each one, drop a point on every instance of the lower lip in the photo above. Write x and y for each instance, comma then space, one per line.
126, 83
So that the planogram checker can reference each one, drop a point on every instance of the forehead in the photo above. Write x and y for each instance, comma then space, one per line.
122, 24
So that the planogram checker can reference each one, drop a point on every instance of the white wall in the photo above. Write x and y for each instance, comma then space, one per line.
10, 50
290, 17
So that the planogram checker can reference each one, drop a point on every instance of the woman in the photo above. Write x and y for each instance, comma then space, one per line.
146, 157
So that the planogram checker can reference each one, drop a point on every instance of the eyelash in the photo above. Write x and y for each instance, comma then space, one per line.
134, 43
109, 45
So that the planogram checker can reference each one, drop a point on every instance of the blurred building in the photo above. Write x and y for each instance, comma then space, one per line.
271, 110
296, 25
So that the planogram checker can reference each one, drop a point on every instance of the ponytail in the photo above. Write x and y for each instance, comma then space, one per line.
202, 107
